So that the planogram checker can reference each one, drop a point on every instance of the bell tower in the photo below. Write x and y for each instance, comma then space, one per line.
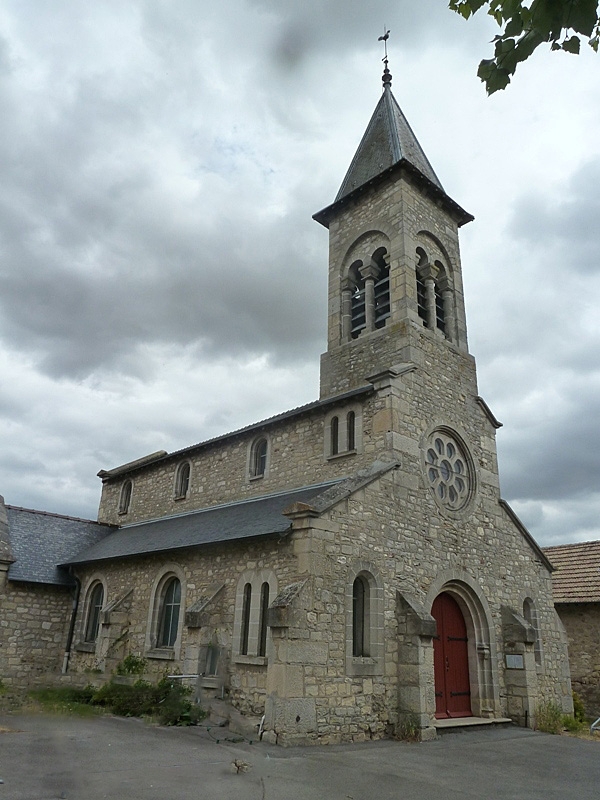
395, 281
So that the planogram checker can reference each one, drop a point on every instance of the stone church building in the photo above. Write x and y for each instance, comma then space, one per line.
347, 568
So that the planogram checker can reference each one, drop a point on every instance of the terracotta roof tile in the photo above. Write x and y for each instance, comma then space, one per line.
577, 572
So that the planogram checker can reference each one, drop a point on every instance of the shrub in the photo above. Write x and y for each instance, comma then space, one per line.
168, 701
132, 665
549, 718
578, 709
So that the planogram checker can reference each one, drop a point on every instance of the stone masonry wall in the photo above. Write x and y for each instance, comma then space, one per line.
198, 570
582, 623
408, 552
219, 474
34, 625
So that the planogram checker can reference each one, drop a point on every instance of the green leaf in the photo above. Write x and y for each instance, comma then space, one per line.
493, 77
514, 27
572, 45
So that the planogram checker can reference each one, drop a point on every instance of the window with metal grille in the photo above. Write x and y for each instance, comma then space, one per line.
96, 600
168, 621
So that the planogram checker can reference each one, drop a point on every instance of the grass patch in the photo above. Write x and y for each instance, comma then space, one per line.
168, 701
66, 700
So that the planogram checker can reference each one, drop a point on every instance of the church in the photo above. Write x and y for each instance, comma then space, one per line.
348, 569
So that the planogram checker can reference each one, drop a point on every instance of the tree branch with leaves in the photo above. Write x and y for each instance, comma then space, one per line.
562, 23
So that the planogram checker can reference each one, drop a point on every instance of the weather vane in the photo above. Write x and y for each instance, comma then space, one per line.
387, 75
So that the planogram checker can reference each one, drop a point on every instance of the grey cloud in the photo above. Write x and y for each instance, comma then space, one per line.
567, 228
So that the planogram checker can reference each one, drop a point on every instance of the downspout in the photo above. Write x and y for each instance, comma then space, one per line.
76, 593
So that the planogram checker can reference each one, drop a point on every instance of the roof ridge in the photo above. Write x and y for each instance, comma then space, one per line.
56, 514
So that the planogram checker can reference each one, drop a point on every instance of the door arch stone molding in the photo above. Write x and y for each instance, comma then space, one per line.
482, 651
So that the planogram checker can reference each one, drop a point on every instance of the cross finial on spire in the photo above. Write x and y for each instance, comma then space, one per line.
387, 75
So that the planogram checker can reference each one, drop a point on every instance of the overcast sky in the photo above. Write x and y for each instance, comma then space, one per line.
161, 278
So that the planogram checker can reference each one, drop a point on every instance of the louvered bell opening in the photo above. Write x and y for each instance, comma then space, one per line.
440, 319
382, 298
422, 299
359, 319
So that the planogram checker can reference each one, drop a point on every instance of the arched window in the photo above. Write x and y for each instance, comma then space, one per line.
530, 614
335, 436
125, 498
255, 590
245, 628
168, 618
360, 621
351, 430
262, 620
182, 480
258, 458
95, 602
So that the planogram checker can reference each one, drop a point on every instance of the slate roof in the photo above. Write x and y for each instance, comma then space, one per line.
577, 572
40, 541
387, 140
258, 516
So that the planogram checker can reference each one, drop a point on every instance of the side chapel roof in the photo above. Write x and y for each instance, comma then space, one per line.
576, 578
267, 515
40, 541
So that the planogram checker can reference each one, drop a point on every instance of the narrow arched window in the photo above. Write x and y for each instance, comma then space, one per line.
360, 603
92, 625
245, 629
351, 430
168, 619
125, 498
262, 621
335, 436
182, 480
258, 465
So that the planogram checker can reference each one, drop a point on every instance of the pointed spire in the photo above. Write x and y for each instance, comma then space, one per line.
387, 140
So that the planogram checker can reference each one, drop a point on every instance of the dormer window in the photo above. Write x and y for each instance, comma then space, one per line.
182, 480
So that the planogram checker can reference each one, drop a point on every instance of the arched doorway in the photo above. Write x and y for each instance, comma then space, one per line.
450, 659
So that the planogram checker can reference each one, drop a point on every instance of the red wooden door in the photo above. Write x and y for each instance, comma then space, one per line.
450, 659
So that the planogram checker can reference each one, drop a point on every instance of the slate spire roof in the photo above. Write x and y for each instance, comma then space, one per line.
387, 140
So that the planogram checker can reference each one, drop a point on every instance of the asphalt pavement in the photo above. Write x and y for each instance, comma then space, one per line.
43, 756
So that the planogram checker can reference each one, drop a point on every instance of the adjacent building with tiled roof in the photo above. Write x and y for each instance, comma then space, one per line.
576, 589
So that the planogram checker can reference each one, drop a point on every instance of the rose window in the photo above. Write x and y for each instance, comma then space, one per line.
448, 471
